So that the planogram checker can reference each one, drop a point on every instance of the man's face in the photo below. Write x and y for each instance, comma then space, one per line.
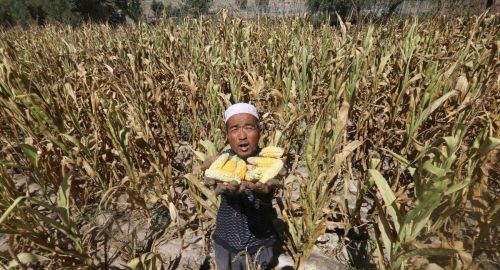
243, 134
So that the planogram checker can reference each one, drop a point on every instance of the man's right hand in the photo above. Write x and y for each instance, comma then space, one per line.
209, 182
262, 188
230, 188
222, 188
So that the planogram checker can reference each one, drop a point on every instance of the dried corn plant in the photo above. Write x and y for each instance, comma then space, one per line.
97, 119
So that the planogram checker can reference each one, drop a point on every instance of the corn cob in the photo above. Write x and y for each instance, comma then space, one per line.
241, 169
221, 175
271, 152
230, 165
250, 167
220, 161
262, 161
253, 175
272, 171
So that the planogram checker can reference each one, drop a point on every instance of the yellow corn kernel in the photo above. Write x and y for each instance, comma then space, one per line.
220, 161
221, 175
262, 161
230, 165
250, 167
271, 152
253, 175
272, 171
241, 169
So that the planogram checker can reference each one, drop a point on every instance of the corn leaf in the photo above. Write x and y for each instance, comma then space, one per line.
488, 145
26, 258
202, 188
63, 199
418, 216
209, 146
11, 208
387, 195
31, 153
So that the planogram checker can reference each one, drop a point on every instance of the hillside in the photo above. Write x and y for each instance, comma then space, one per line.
290, 7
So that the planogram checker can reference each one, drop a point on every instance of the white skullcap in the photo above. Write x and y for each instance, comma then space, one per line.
240, 108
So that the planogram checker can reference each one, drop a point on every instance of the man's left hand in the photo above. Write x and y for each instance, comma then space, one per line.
262, 188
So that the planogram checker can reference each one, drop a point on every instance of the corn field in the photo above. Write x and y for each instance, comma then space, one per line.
392, 132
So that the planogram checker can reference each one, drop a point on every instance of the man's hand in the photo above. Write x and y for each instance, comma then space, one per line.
230, 188
209, 182
263, 188
218, 187
235, 187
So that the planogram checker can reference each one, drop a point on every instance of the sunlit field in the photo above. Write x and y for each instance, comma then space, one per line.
391, 134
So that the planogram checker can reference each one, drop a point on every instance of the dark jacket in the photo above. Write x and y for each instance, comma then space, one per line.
245, 221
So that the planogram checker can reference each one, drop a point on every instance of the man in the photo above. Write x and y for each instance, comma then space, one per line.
244, 225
